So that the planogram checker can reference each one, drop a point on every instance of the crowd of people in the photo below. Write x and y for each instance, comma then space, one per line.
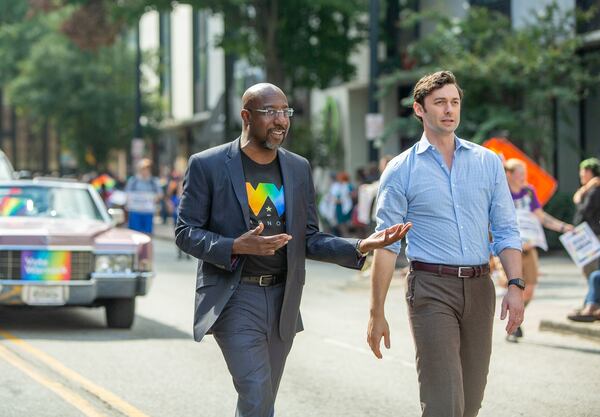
347, 208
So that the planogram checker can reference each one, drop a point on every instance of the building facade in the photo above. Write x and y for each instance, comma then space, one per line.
571, 141
189, 78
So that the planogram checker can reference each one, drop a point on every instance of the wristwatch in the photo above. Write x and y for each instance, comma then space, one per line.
518, 282
356, 247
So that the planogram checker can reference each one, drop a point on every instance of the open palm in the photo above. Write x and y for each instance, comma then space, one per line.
385, 237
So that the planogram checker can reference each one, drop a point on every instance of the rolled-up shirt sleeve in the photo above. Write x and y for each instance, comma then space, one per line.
391, 204
503, 218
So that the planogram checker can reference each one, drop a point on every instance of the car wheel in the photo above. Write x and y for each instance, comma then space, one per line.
120, 313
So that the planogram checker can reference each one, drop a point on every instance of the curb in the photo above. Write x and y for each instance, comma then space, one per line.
588, 330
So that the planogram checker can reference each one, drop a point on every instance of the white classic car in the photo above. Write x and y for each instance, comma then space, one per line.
59, 246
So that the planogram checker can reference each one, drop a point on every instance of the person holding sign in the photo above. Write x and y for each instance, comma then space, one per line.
143, 192
531, 218
587, 201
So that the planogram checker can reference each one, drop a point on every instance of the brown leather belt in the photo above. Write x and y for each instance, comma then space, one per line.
263, 280
455, 271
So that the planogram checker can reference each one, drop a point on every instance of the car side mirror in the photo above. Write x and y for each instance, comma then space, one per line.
118, 215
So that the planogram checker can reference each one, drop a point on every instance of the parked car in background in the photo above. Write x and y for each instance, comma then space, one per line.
6, 169
59, 246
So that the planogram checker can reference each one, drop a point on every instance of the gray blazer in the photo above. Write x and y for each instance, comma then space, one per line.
214, 211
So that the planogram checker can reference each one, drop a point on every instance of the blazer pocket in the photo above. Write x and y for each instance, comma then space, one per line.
206, 280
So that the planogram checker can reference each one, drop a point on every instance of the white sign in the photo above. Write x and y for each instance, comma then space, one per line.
531, 230
141, 201
582, 244
374, 126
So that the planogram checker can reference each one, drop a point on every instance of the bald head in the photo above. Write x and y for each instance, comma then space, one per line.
256, 94
264, 115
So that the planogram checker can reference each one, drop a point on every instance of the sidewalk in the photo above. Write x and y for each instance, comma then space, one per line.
561, 289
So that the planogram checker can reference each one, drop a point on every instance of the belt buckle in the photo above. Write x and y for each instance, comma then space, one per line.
460, 269
260, 280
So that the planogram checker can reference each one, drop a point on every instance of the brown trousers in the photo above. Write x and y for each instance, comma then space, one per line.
451, 320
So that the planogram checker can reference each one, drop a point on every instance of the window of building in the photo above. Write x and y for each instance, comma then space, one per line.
593, 24
165, 61
200, 60
501, 6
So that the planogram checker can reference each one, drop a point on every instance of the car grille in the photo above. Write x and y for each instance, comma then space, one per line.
82, 264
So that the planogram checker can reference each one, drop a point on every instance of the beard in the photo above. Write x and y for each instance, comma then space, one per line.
272, 145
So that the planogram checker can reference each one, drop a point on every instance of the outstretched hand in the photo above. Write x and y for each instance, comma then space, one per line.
384, 237
252, 243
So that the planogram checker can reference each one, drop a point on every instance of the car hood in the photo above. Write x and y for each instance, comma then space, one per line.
44, 231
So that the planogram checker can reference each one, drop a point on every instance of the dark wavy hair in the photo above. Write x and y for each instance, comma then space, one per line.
432, 82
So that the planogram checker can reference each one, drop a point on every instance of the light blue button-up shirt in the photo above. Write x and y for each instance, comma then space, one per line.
452, 211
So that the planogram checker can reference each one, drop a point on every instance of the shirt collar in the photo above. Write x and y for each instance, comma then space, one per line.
424, 144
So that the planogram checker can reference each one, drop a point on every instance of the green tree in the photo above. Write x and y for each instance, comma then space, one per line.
301, 44
87, 95
513, 78
17, 34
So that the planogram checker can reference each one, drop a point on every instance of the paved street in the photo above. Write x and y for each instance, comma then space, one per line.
53, 359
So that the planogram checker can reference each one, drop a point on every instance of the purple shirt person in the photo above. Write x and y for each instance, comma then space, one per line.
525, 198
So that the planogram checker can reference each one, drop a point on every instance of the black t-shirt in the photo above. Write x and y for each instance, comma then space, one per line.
264, 188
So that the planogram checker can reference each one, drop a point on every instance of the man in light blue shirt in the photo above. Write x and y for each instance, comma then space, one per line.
455, 194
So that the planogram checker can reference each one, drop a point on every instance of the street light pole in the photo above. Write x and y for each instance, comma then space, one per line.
137, 111
137, 132
373, 68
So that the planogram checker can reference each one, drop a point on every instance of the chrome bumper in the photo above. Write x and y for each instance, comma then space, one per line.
80, 292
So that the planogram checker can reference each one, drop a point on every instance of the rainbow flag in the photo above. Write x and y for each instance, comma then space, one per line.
12, 206
104, 179
42, 265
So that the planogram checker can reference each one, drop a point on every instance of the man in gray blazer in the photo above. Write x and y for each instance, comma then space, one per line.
248, 214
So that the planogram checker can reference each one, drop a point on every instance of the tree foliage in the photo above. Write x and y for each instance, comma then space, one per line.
300, 43
511, 77
86, 95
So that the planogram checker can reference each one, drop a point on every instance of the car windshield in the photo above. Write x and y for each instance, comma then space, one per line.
55, 202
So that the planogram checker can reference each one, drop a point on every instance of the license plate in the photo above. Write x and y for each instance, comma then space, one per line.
44, 295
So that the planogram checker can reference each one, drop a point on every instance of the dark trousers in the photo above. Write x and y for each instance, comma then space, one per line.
248, 335
451, 320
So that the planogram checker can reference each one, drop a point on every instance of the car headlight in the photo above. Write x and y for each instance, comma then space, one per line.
114, 263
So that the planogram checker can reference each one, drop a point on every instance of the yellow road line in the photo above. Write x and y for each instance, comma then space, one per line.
69, 396
105, 395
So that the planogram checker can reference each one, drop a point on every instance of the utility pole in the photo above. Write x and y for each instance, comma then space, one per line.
373, 69
135, 151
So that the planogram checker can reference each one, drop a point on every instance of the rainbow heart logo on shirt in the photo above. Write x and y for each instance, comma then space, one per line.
258, 196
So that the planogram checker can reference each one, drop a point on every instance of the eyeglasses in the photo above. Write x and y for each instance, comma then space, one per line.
271, 113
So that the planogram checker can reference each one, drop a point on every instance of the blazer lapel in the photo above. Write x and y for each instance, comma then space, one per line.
287, 174
236, 173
